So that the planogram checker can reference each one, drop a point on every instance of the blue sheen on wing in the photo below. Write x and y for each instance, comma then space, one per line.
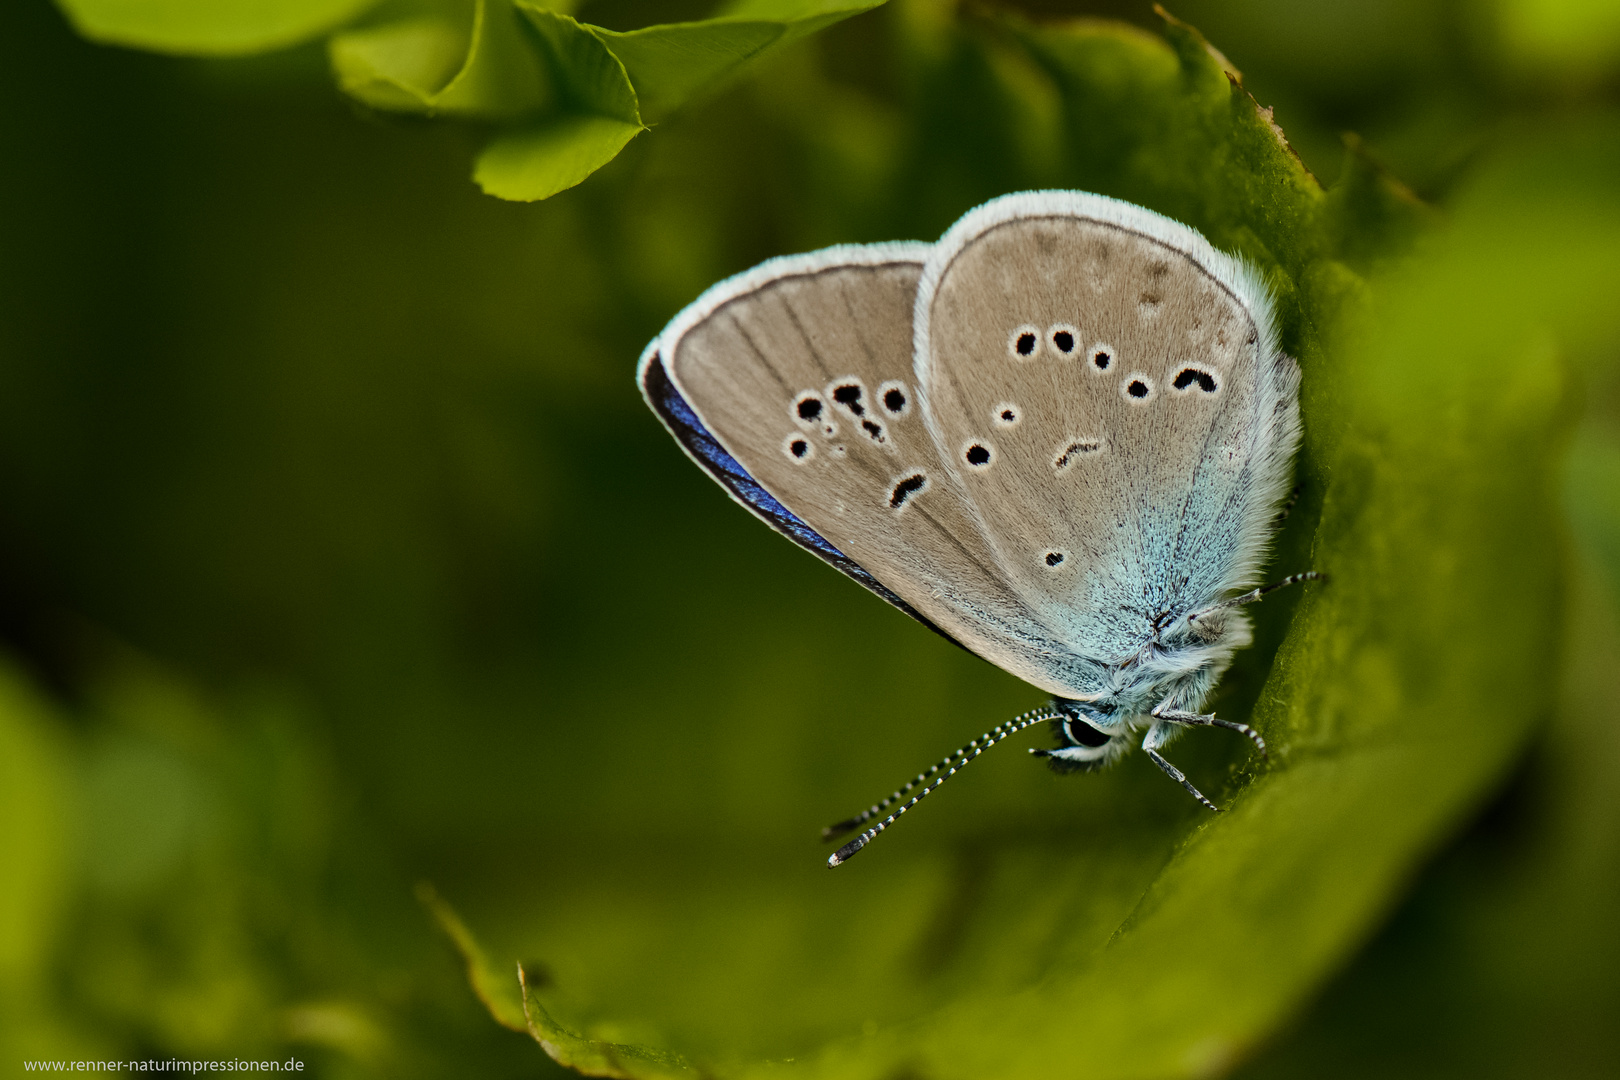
725, 468
689, 431
697, 438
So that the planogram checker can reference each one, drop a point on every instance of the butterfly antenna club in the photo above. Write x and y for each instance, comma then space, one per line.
942, 771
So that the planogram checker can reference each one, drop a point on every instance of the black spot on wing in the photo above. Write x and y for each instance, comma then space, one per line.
1189, 376
849, 396
1023, 342
1073, 451
895, 398
905, 488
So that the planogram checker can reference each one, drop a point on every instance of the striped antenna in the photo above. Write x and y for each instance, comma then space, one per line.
945, 769
1254, 594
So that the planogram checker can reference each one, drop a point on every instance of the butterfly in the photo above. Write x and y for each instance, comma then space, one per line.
1060, 437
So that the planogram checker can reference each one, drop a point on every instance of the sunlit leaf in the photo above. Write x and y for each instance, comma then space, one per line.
485, 68
609, 81
668, 64
538, 162
1561, 43
671, 63
209, 27
35, 830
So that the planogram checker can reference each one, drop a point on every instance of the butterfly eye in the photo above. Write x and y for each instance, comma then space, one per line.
1102, 356
1084, 734
1024, 343
1063, 337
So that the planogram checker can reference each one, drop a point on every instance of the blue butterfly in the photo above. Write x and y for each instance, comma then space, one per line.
1058, 437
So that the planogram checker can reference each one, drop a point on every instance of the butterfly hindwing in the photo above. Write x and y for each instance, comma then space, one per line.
1106, 388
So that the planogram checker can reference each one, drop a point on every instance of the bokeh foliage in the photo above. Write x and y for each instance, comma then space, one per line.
340, 556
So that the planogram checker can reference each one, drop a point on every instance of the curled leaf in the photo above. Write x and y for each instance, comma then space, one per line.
433, 64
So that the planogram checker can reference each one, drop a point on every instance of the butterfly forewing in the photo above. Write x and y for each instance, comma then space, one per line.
802, 371
1105, 399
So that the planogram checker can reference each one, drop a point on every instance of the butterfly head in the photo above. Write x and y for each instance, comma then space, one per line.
1089, 734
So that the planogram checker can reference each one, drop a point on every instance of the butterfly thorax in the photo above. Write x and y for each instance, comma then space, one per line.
1174, 668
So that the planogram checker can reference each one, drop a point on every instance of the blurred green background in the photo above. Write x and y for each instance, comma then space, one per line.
339, 555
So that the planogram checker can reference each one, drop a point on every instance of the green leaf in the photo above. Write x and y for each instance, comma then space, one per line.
209, 27
1559, 42
514, 1006
591, 79
1502, 960
601, 117
495, 988
607, 79
35, 830
672, 63
477, 62
538, 162
1095, 926
433, 64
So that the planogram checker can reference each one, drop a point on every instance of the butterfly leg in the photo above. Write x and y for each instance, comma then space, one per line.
1287, 507
1157, 736
1191, 719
